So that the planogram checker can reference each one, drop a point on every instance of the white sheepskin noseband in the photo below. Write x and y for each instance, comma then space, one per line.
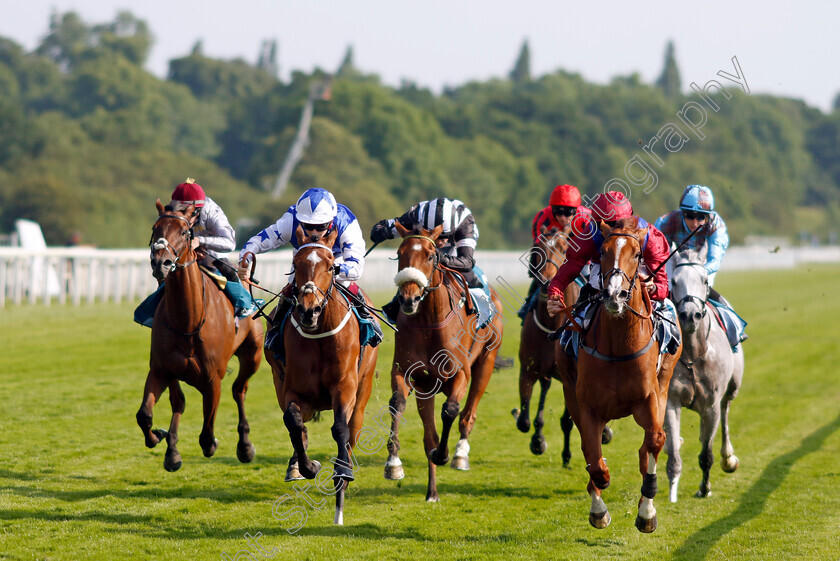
410, 274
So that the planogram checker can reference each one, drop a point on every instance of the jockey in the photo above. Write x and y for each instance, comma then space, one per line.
697, 209
317, 212
212, 235
456, 244
563, 208
585, 247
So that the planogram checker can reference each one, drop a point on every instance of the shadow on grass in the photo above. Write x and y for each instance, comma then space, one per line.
699, 545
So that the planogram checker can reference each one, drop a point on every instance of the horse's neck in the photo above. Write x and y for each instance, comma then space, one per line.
185, 298
438, 303
334, 312
627, 332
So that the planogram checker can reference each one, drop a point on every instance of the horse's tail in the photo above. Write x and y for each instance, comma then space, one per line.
503, 362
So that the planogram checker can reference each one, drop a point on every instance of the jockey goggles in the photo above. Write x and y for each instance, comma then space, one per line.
563, 210
691, 215
316, 227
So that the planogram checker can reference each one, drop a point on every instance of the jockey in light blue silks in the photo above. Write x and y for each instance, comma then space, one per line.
317, 213
697, 209
212, 235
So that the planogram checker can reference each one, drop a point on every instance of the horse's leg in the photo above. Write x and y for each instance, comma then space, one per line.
647, 416
481, 372
728, 460
343, 404
249, 361
567, 424
172, 459
151, 393
448, 413
211, 393
538, 445
426, 408
393, 466
673, 442
293, 419
709, 420
591, 428
526, 387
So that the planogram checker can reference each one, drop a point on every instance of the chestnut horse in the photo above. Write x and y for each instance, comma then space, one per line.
194, 335
437, 349
620, 371
536, 350
326, 368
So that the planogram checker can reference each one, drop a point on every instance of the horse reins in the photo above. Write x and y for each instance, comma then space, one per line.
632, 281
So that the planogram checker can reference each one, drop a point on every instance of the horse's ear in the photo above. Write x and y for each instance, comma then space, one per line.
300, 236
401, 230
701, 253
159, 207
435, 234
640, 235
330, 238
605, 229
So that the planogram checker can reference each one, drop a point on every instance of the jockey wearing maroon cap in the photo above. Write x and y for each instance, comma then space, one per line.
586, 245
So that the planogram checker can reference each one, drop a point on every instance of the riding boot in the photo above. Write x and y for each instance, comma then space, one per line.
526, 306
392, 309
226, 269
364, 313
273, 338
715, 295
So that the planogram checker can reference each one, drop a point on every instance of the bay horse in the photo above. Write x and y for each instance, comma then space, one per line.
706, 378
438, 348
620, 371
194, 335
326, 367
536, 350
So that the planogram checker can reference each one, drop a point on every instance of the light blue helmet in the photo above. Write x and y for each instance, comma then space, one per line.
698, 198
316, 206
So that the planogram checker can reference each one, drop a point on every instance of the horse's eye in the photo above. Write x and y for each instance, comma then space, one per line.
639, 255
431, 257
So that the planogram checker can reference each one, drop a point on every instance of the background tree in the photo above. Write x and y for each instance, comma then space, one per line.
521, 72
669, 81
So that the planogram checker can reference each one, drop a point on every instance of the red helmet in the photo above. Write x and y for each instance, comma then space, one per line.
565, 195
611, 206
189, 193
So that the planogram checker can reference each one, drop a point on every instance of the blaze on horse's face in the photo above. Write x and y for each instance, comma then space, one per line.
313, 266
171, 238
621, 255
417, 259
690, 289
547, 254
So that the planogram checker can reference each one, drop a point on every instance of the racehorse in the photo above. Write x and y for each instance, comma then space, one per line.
438, 348
620, 371
194, 335
326, 368
707, 377
536, 350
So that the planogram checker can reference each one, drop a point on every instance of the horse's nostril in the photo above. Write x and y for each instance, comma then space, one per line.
316, 310
697, 315
167, 263
683, 316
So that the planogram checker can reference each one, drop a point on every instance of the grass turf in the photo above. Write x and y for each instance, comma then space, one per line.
76, 481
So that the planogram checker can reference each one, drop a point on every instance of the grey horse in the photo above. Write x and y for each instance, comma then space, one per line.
707, 376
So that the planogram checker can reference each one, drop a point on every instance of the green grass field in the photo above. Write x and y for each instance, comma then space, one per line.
76, 481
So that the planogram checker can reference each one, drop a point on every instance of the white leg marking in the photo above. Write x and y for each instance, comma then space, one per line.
672, 496
646, 509
462, 450
339, 518
598, 506
393, 461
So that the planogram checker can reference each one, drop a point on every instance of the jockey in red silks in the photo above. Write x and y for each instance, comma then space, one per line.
564, 213
585, 245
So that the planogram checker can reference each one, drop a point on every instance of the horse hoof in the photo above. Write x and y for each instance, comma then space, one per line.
293, 474
600, 520
567, 457
160, 434
645, 526
729, 464
704, 492
460, 463
538, 445
438, 459
245, 453
342, 473
172, 464
394, 473
523, 423
208, 452
606, 436
432, 498
312, 471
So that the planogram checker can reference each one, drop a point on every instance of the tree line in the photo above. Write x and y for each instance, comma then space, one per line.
89, 139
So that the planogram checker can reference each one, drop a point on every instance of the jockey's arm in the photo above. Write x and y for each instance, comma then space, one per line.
716, 245
656, 252
577, 257
277, 235
218, 235
464, 238
352, 244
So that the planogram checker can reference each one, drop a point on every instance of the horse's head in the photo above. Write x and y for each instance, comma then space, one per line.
547, 254
314, 276
621, 258
171, 239
690, 289
418, 261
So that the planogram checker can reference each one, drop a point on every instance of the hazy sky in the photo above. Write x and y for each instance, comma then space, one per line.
784, 48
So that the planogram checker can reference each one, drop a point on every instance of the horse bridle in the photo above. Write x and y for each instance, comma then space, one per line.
690, 297
427, 289
163, 243
327, 295
606, 276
